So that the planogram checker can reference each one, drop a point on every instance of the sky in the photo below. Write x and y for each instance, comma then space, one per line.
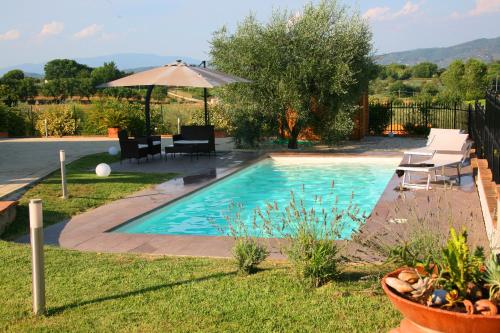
33, 31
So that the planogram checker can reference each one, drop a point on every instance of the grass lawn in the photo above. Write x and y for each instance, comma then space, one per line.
131, 293
86, 191
93, 292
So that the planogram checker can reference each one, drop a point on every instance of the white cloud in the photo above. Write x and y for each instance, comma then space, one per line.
52, 28
10, 35
376, 13
408, 9
481, 7
89, 31
385, 13
485, 7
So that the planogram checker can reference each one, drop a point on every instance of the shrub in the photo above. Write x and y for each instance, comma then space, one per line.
61, 120
16, 123
340, 127
311, 232
248, 253
3, 118
380, 117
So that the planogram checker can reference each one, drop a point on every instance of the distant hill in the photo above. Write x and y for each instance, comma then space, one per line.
484, 49
124, 61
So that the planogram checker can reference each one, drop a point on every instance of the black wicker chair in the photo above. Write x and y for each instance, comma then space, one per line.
130, 148
153, 142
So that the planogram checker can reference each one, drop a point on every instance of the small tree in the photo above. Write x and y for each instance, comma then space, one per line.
304, 68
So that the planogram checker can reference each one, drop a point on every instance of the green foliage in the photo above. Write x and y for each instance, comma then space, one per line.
316, 61
15, 74
61, 120
105, 73
395, 72
424, 70
493, 277
475, 79
219, 117
310, 232
248, 253
14, 87
339, 128
464, 81
3, 118
422, 249
380, 117
458, 266
65, 69
314, 260
400, 89
12, 121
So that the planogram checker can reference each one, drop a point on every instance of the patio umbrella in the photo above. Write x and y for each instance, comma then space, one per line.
177, 74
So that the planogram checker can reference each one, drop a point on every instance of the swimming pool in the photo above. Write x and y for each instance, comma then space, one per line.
270, 180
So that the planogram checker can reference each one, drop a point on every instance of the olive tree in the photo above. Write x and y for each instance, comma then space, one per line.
304, 67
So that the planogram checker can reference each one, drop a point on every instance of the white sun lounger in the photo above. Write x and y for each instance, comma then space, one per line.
439, 161
440, 141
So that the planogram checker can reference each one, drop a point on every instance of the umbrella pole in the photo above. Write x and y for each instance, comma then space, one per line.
146, 109
205, 94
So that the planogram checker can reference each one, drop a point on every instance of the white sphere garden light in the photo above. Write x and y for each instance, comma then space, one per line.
102, 170
113, 151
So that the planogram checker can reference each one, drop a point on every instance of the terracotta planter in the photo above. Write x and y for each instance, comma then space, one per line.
219, 134
422, 319
4, 134
113, 132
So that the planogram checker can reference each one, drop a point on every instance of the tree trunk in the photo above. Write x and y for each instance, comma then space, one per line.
293, 141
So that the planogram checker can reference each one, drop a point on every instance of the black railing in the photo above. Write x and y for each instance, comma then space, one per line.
484, 128
415, 118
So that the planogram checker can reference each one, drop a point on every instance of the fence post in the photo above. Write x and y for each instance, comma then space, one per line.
469, 121
391, 116
454, 115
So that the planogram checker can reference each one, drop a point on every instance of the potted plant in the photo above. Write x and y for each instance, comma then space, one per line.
114, 120
458, 291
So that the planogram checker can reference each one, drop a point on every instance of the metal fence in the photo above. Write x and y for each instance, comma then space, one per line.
484, 128
415, 118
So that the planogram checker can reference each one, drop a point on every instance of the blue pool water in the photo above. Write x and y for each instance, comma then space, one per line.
271, 180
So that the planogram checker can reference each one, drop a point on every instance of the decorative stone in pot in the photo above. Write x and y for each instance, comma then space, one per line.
419, 318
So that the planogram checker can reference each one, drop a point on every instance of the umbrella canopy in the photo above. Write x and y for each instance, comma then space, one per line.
177, 74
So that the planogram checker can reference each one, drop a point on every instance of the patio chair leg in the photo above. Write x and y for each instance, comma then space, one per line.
459, 174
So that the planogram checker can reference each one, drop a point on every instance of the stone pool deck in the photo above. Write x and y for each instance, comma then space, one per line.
88, 231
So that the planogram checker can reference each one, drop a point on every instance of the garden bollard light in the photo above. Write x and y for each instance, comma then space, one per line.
62, 158
36, 237
178, 125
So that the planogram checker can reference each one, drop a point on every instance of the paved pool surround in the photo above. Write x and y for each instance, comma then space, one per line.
89, 231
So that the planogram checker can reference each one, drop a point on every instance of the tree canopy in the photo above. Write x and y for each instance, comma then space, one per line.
465, 80
304, 68
65, 69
